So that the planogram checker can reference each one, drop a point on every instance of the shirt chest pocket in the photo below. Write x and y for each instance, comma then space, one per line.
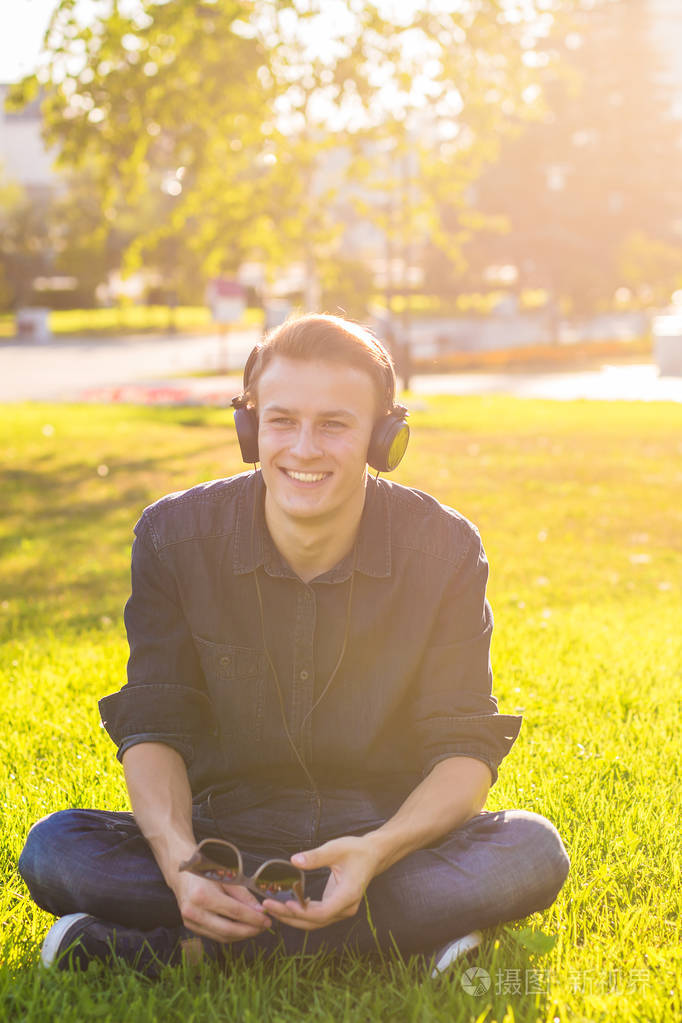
235, 678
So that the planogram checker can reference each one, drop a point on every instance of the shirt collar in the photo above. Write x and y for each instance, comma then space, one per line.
253, 545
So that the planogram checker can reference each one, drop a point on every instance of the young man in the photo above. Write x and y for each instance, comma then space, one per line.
309, 679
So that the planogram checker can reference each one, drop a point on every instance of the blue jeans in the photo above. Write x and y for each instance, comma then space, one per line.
498, 866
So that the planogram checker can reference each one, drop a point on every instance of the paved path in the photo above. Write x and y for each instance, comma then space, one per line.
155, 369
610, 383
64, 369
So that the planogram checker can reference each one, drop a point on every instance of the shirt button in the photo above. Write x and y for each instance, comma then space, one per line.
303, 676
225, 660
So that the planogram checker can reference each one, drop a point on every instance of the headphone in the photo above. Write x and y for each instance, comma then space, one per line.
387, 444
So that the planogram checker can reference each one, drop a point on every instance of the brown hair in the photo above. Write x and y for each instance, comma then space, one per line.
330, 339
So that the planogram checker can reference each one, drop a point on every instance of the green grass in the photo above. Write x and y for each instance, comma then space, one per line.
580, 508
131, 319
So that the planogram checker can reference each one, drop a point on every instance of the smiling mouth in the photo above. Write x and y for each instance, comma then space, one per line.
306, 477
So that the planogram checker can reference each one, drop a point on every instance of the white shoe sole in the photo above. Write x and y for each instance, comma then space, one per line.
51, 947
455, 950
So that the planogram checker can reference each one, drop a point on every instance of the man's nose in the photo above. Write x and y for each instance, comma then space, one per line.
307, 444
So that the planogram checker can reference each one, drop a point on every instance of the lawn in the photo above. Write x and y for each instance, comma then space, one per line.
130, 319
580, 508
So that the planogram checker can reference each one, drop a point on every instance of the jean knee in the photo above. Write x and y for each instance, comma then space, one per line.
547, 852
42, 850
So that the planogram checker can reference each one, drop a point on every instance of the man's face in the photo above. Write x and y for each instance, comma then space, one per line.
315, 420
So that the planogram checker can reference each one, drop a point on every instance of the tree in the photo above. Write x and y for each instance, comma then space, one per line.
650, 268
86, 245
25, 243
603, 165
244, 127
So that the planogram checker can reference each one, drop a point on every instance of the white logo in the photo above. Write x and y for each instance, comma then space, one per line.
476, 980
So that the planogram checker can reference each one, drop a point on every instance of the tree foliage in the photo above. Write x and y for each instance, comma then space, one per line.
246, 128
24, 242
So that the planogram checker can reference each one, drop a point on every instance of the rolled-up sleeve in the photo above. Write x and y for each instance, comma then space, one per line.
164, 699
455, 711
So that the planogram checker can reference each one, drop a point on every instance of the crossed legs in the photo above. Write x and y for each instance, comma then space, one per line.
498, 866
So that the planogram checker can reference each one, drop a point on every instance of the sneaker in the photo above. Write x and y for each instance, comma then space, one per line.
454, 950
76, 940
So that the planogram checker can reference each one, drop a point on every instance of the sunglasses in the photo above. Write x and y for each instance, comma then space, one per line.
221, 861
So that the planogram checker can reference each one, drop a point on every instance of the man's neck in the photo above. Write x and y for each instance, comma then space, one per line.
312, 547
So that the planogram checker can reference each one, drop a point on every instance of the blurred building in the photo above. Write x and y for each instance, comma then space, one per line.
24, 157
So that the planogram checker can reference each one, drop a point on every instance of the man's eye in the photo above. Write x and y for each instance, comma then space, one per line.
280, 421
334, 424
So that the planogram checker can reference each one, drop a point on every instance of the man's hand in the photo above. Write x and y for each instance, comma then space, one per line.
223, 912
353, 864
161, 798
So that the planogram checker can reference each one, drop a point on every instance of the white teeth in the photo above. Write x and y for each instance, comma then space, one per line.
306, 477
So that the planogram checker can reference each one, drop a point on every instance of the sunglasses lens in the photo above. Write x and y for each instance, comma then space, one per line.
276, 878
224, 858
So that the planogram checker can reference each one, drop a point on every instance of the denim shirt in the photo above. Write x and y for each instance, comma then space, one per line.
414, 684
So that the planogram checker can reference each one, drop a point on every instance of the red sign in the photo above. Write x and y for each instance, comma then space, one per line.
223, 287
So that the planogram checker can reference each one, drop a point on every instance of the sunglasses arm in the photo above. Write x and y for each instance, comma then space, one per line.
195, 860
